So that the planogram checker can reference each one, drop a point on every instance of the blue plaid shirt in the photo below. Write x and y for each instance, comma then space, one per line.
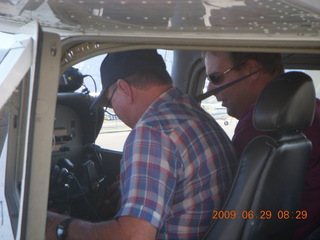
177, 164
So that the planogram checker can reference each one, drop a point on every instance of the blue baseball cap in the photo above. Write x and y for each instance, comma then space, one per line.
123, 64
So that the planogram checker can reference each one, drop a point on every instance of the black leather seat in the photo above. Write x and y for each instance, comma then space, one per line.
272, 168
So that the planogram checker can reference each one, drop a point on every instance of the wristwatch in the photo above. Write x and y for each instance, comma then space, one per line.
62, 229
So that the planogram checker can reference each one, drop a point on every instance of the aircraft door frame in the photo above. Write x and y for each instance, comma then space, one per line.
30, 133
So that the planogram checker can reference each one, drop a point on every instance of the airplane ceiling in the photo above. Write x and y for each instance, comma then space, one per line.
194, 18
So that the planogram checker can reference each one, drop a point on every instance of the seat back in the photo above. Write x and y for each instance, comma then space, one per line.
266, 193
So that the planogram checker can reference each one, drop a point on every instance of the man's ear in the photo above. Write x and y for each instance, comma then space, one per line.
251, 67
125, 90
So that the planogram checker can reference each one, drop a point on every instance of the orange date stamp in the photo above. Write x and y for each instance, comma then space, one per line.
263, 214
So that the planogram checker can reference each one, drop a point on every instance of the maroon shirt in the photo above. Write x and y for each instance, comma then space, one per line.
245, 131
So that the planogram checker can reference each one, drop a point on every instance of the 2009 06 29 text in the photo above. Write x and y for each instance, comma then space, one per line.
263, 214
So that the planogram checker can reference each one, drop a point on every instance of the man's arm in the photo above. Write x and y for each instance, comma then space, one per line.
125, 227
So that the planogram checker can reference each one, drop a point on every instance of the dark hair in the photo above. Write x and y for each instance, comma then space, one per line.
149, 76
271, 62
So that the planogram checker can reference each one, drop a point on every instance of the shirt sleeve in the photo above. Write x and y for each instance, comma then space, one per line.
148, 175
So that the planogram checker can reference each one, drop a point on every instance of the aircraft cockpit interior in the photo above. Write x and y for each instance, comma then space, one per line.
251, 164
78, 175
81, 169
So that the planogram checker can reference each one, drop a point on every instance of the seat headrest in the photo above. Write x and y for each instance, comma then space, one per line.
287, 103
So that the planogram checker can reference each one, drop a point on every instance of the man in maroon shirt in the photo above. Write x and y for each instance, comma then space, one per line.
257, 70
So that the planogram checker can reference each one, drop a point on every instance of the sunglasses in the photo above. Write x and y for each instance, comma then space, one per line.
218, 79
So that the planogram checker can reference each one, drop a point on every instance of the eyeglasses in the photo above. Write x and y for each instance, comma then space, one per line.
109, 101
217, 79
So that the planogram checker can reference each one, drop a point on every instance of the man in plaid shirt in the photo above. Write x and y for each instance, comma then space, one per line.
177, 162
